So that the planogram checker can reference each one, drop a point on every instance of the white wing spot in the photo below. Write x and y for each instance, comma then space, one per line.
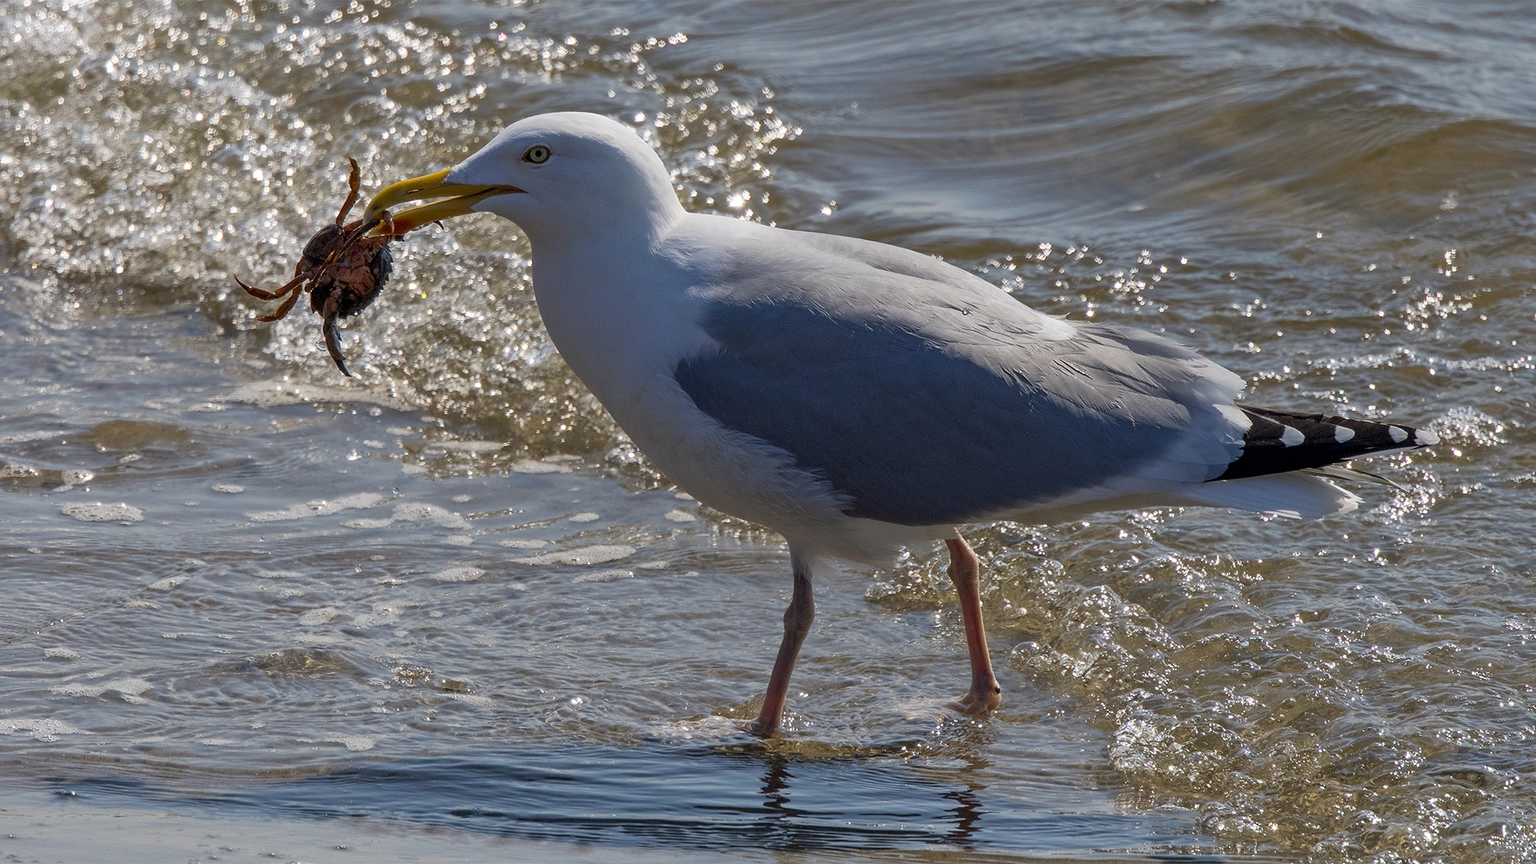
1291, 436
1342, 433
1398, 433
1236, 417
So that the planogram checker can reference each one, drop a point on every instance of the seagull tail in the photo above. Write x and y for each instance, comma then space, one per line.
1286, 456
1279, 441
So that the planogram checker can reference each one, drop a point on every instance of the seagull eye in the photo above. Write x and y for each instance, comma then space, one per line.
538, 154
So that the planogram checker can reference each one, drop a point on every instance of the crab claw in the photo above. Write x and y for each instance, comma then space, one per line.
333, 336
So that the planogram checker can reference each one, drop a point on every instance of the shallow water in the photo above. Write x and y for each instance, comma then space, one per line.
448, 596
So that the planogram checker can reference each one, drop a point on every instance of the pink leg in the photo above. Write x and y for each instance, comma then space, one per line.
965, 572
797, 623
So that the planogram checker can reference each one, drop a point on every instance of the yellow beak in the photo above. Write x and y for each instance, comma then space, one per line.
461, 199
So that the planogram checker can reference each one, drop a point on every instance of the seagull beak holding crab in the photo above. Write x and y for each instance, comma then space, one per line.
461, 199
345, 264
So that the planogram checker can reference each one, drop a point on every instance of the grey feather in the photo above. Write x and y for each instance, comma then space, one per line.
928, 396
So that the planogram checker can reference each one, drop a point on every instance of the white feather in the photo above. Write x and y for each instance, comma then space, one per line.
1297, 496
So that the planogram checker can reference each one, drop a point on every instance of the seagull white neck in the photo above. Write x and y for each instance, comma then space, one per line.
577, 235
602, 301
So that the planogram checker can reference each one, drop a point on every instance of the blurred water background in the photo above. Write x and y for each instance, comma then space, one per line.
448, 596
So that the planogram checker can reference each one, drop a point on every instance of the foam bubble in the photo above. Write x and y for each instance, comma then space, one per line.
316, 617
583, 555
42, 729
319, 507
72, 478
474, 699
467, 446
128, 688
367, 523
414, 512
605, 576
355, 743
458, 574
268, 394
529, 466
99, 512
523, 544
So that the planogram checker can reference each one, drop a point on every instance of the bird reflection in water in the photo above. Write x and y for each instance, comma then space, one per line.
776, 779
967, 815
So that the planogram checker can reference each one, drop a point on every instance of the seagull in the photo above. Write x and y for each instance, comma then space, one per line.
856, 397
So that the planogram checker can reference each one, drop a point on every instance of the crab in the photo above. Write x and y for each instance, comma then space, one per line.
343, 267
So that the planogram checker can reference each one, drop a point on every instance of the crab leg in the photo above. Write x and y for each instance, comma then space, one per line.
269, 295
354, 180
355, 231
282, 311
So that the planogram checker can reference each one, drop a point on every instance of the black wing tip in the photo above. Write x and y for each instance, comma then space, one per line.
1280, 441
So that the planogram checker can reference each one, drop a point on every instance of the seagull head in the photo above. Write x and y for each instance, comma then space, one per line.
555, 175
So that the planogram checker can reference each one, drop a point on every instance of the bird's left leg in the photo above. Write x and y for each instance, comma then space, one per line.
797, 623
965, 572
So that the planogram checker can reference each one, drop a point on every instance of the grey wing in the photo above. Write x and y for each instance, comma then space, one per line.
928, 403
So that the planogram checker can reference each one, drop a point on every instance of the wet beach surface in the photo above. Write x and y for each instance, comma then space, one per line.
447, 599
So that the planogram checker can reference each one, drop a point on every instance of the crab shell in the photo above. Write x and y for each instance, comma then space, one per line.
355, 279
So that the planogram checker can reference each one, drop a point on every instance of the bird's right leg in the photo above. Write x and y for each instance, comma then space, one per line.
797, 623
965, 572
